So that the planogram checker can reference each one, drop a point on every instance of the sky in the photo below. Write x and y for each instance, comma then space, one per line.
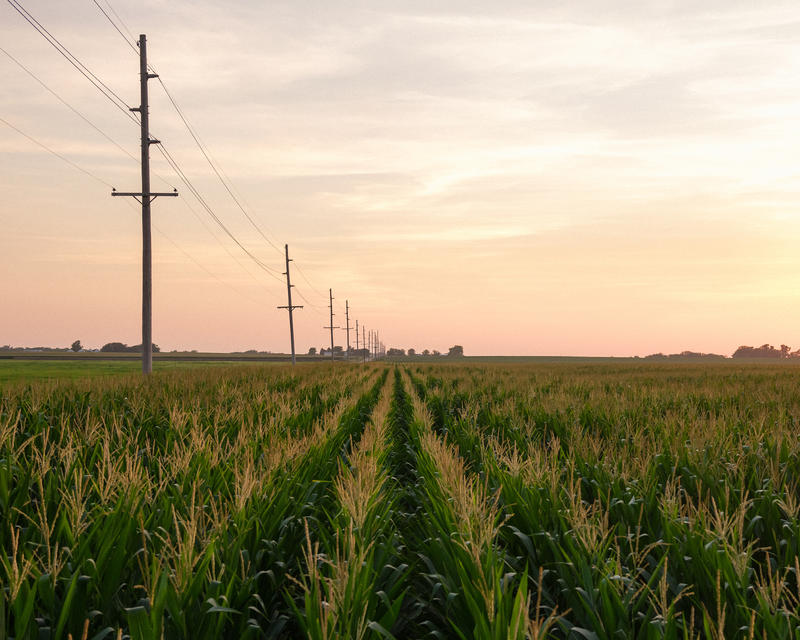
517, 177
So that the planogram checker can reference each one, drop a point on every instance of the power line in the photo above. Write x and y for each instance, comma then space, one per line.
121, 21
70, 107
55, 153
206, 155
200, 264
222, 244
173, 163
102, 87
80, 114
166, 237
313, 306
114, 24
227, 183
313, 288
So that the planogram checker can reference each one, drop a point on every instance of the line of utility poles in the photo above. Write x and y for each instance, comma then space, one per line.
291, 307
145, 197
372, 349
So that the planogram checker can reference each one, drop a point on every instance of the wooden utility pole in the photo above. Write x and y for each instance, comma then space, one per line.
331, 327
290, 306
145, 197
356, 335
347, 316
364, 341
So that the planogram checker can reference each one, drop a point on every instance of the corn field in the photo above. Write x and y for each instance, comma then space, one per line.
413, 501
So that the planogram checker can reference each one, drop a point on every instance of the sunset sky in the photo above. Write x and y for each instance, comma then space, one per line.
539, 178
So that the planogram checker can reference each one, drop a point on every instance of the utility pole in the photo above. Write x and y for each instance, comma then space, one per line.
290, 306
347, 316
331, 327
145, 197
364, 341
356, 335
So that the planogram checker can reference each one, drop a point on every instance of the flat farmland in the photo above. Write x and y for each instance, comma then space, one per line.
475, 500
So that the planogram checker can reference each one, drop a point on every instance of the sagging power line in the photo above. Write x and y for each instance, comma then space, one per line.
101, 86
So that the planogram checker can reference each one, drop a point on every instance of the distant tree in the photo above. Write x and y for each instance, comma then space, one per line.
426, 352
312, 351
785, 348
338, 350
114, 347
120, 347
456, 351
685, 355
396, 352
76, 346
412, 352
138, 348
764, 351
436, 352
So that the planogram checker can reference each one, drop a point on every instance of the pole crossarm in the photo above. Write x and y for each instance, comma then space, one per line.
150, 196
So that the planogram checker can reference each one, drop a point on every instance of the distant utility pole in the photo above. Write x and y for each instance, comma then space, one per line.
356, 335
331, 327
347, 316
145, 197
291, 307
364, 341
